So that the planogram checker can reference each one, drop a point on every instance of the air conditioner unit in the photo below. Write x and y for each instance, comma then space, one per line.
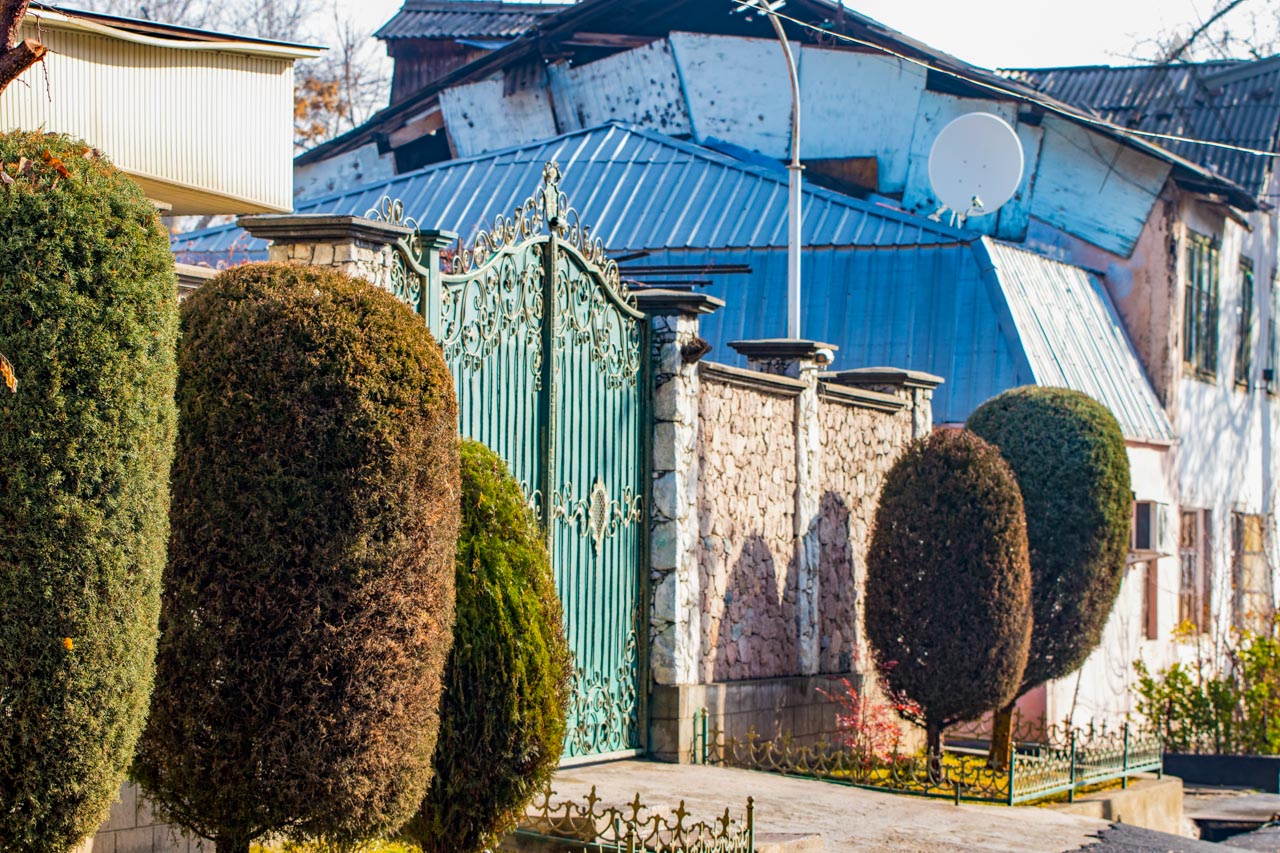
1152, 534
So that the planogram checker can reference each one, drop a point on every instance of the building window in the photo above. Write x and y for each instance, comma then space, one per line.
1250, 578
1194, 587
1200, 313
1244, 325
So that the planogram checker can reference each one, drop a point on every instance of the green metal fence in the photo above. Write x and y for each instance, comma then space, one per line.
588, 825
549, 358
1053, 762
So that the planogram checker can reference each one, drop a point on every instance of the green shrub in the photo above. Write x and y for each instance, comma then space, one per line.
1229, 706
507, 683
88, 315
948, 605
308, 603
1068, 454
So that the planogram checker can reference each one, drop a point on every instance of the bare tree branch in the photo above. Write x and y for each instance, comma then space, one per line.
17, 56
1179, 50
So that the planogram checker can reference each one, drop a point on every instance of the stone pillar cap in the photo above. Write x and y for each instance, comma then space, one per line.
664, 303
867, 376
782, 349
320, 228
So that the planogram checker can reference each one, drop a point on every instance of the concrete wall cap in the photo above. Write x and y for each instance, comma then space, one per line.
321, 228
663, 303
784, 349
864, 376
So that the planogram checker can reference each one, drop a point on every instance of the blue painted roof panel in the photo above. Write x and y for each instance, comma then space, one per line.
1074, 338
637, 189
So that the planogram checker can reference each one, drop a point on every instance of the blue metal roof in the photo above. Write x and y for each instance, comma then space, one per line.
888, 288
985, 316
639, 189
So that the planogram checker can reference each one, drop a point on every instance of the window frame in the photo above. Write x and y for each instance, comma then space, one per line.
1244, 325
1195, 569
1201, 306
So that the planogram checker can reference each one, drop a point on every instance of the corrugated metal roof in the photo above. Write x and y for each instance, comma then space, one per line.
1236, 102
1073, 337
463, 19
984, 316
636, 188
885, 286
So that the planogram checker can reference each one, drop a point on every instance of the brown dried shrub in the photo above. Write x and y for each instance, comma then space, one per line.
948, 607
308, 604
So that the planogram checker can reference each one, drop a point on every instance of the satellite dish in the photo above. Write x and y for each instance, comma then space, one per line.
975, 164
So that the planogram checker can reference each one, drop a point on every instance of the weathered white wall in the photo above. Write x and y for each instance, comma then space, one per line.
482, 117
639, 87
363, 165
1230, 435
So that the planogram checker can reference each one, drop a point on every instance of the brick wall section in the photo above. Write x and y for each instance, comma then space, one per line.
746, 512
859, 446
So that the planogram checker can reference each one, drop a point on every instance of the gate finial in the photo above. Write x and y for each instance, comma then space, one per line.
551, 192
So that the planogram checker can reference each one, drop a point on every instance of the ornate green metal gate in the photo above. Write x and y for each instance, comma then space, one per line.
547, 351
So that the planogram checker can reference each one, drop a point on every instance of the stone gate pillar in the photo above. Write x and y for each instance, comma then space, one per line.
360, 247
803, 360
675, 609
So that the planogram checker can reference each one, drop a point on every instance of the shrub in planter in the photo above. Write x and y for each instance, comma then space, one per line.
507, 683
1068, 454
308, 603
948, 606
88, 316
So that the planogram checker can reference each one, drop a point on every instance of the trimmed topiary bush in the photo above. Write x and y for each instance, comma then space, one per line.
507, 683
948, 605
88, 316
308, 604
1068, 453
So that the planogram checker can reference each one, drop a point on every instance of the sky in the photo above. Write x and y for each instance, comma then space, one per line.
1036, 33
992, 33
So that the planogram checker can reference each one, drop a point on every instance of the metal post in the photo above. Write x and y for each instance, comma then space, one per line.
1071, 792
751, 824
704, 735
1124, 765
769, 8
1013, 763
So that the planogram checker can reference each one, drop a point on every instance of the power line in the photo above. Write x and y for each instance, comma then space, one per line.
1021, 96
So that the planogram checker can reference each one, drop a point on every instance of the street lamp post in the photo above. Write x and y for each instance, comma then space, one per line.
794, 168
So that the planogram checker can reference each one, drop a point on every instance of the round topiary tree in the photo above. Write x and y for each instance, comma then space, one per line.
948, 604
1068, 453
88, 314
502, 725
308, 603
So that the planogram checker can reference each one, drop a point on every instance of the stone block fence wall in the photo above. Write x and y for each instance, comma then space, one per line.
765, 485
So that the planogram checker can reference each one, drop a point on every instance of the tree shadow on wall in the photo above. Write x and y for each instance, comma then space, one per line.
837, 586
757, 636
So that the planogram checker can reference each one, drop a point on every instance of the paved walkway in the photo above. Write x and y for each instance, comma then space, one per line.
848, 819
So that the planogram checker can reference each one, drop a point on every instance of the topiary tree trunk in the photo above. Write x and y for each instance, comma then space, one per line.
948, 603
308, 606
1068, 454
88, 307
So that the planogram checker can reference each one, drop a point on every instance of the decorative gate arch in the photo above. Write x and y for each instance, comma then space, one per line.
548, 353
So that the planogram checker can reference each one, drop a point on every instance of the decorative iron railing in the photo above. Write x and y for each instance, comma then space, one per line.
589, 825
1056, 761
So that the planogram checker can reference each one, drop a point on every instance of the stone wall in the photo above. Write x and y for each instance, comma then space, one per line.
132, 828
859, 445
746, 517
